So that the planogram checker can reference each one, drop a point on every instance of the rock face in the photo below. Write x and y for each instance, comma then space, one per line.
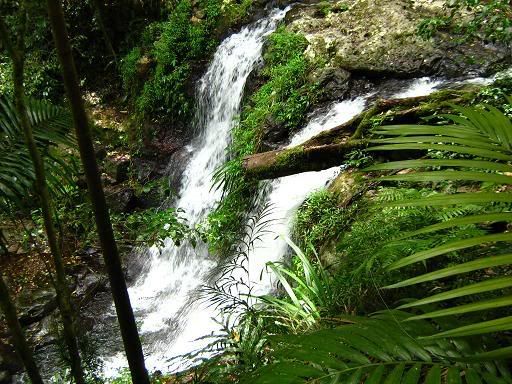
376, 38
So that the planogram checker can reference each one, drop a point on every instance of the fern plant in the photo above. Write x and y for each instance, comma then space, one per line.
486, 135
383, 349
453, 336
52, 127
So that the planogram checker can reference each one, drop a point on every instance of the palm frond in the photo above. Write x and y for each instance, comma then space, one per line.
485, 135
52, 127
381, 349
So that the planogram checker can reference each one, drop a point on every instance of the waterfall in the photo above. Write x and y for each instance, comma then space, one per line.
163, 297
288, 193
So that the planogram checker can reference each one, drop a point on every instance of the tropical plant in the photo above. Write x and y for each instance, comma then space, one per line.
459, 334
486, 136
309, 290
382, 349
52, 127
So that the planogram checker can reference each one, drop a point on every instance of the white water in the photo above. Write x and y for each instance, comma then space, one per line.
288, 193
164, 296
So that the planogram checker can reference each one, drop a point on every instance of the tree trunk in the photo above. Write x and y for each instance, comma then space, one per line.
63, 294
11, 318
285, 162
20, 343
123, 306
98, 7
330, 147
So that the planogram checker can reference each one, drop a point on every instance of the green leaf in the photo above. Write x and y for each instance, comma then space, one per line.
497, 354
433, 375
376, 376
487, 153
396, 375
472, 377
453, 376
467, 220
450, 176
455, 199
484, 286
450, 247
413, 375
466, 308
497, 325
487, 262
422, 163
472, 143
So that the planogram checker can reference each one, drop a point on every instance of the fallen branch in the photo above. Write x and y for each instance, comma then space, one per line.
330, 148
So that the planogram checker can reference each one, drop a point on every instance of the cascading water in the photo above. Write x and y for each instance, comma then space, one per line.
288, 193
163, 297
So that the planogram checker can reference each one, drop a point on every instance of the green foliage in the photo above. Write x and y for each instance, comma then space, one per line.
52, 127
309, 293
283, 100
427, 28
170, 51
457, 331
489, 20
148, 227
129, 72
318, 220
485, 134
382, 349
154, 226
325, 7
497, 94
173, 46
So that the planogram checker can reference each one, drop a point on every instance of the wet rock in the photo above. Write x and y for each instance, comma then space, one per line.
9, 363
44, 333
334, 83
87, 285
117, 166
378, 38
34, 306
121, 199
5, 377
274, 134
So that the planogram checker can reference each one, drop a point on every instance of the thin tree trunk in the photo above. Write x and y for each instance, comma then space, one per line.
20, 343
124, 310
99, 9
18, 338
63, 294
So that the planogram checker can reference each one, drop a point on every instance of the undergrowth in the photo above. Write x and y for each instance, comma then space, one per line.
282, 102
157, 75
487, 20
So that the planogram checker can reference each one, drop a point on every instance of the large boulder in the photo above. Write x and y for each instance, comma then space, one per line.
34, 306
376, 38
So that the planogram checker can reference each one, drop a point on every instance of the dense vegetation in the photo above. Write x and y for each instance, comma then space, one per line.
284, 100
398, 272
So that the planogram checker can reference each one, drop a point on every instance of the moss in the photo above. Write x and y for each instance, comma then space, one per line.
290, 156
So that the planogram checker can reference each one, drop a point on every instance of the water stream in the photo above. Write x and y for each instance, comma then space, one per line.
164, 297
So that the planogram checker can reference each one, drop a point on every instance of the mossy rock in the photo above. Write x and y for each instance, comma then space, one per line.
378, 38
